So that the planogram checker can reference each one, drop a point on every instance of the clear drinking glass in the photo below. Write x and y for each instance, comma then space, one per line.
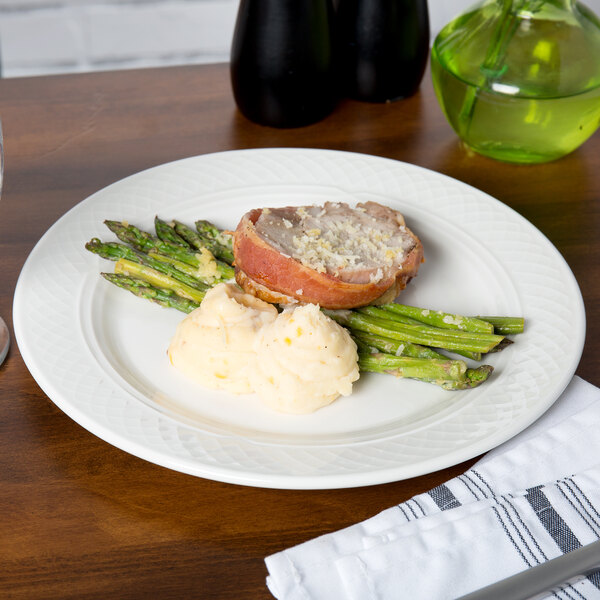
4, 335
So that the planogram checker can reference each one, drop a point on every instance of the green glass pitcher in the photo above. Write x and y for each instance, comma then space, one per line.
519, 80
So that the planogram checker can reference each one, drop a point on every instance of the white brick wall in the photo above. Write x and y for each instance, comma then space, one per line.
54, 36
61, 36
39, 39
165, 30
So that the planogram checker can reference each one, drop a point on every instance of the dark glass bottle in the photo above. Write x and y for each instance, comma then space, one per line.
282, 71
383, 47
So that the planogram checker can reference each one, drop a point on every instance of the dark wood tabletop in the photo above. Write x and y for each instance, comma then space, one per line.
80, 518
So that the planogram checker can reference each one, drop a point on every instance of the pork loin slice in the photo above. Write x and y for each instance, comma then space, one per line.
332, 255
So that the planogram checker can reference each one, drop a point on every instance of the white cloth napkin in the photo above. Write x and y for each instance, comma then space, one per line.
531, 499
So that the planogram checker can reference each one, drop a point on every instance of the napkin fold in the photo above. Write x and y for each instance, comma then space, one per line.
530, 500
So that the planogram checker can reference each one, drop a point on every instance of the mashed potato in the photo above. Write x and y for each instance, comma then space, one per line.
213, 345
305, 361
297, 361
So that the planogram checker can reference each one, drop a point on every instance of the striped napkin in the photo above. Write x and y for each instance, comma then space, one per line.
530, 500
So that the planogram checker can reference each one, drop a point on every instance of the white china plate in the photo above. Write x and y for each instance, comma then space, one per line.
98, 352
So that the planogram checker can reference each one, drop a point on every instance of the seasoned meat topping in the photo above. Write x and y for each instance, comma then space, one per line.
362, 244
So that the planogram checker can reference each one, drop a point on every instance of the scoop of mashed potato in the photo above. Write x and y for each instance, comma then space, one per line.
213, 345
305, 360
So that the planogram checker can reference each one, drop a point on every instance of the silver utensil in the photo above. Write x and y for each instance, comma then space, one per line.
542, 578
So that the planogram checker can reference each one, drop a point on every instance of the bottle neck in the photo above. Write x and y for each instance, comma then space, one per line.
533, 6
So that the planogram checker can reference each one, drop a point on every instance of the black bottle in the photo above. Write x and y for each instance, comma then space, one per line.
282, 61
383, 47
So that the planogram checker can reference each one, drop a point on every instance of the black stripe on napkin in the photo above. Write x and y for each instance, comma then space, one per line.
555, 525
444, 498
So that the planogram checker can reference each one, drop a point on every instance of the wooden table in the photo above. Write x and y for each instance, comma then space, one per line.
82, 519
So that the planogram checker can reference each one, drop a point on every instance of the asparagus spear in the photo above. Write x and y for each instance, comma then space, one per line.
221, 252
194, 239
144, 242
167, 233
395, 347
448, 377
430, 369
208, 269
417, 334
223, 241
440, 319
158, 279
477, 376
506, 325
383, 314
115, 251
141, 240
159, 295
473, 378
207, 229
